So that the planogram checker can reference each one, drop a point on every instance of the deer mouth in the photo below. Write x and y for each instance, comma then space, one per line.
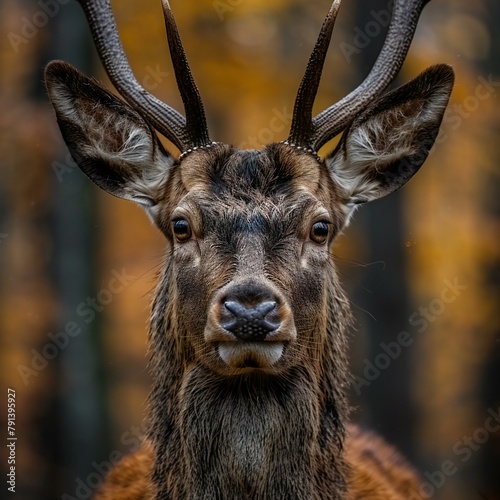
251, 355
249, 326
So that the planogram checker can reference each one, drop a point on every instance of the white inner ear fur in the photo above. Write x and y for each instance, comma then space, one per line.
118, 140
379, 141
137, 153
371, 146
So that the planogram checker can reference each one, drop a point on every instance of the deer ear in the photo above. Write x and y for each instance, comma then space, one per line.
388, 143
109, 141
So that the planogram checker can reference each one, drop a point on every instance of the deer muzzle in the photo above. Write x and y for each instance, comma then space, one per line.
250, 324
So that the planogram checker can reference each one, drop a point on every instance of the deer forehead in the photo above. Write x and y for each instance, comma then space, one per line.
226, 170
227, 190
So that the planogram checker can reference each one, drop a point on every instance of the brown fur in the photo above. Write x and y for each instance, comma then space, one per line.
259, 418
377, 472
130, 479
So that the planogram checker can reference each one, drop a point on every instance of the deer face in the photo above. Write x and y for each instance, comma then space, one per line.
250, 232
249, 235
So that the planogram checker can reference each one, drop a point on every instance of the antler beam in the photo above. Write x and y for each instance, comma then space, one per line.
337, 117
301, 129
196, 124
183, 133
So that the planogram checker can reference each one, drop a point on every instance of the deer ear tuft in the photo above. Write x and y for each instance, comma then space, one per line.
109, 141
388, 143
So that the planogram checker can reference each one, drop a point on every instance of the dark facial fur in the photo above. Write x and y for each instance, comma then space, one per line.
248, 330
255, 430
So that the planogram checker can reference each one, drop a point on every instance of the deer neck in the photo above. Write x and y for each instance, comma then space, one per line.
248, 436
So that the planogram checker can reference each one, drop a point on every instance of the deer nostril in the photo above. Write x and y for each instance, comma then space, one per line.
258, 311
250, 322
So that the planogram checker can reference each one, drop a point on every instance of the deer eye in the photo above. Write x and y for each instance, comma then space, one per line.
319, 232
182, 229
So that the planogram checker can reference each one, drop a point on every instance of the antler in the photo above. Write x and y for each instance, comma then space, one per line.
301, 128
323, 127
186, 132
196, 123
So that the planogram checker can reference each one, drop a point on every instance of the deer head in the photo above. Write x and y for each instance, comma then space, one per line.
249, 288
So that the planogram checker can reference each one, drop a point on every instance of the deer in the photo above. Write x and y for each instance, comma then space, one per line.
248, 332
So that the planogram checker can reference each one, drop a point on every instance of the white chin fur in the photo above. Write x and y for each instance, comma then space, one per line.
264, 354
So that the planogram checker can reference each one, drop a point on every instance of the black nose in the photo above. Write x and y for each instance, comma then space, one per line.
250, 322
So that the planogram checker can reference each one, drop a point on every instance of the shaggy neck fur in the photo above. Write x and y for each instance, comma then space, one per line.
253, 436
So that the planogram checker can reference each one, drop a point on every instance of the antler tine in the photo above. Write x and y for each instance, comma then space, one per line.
301, 129
163, 118
402, 27
196, 124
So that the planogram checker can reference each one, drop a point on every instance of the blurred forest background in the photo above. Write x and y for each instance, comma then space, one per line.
424, 261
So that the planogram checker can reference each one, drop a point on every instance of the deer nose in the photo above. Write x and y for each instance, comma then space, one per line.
250, 322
